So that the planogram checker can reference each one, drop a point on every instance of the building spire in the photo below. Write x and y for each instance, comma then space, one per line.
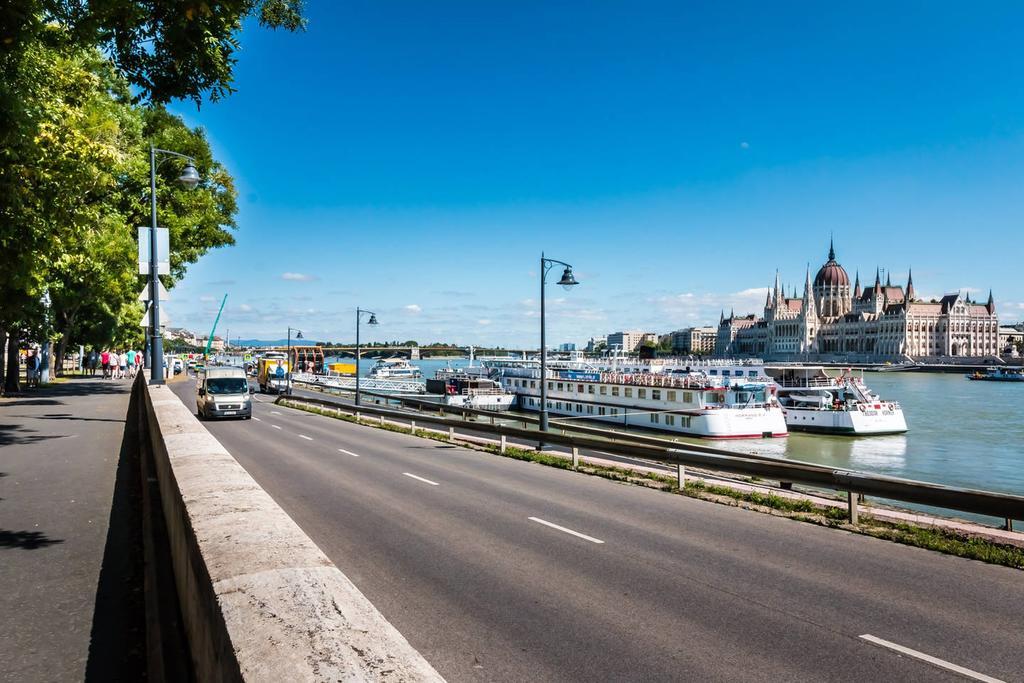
910, 285
888, 279
856, 286
878, 280
831, 248
778, 289
810, 309
991, 305
721, 317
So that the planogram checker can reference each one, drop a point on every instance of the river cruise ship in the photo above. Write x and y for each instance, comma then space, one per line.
709, 399
398, 368
463, 390
813, 401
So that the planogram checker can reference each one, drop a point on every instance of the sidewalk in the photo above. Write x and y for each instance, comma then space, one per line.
71, 605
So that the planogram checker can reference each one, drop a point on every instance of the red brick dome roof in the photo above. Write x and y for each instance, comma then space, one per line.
832, 274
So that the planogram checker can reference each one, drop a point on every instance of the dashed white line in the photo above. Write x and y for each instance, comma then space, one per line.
935, 661
425, 481
307, 438
342, 450
256, 418
568, 531
275, 426
274, 412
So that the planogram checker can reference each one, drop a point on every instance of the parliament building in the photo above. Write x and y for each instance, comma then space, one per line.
834, 320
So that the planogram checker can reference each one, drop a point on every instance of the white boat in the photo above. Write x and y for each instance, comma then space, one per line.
397, 368
468, 391
708, 399
813, 401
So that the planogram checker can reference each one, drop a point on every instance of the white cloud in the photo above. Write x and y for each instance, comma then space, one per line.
414, 309
299, 277
483, 321
206, 299
744, 145
245, 308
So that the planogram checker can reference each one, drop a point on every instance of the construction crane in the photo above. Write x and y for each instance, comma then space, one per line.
209, 342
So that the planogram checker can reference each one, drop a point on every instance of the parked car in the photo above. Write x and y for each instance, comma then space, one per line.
223, 392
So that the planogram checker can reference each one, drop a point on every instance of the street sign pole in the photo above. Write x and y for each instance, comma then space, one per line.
156, 365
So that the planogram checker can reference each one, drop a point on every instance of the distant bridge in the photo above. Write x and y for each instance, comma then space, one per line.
410, 352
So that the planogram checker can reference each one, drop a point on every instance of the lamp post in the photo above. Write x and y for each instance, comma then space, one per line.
298, 335
189, 178
371, 321
568, 281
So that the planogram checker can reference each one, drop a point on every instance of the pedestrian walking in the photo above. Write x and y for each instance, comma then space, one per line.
94, 361
105, 363
31, 368
130, 356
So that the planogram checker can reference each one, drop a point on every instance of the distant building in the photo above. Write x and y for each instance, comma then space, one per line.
596, 343
880, 322
567, 348
695, 341
630, 341
217, 345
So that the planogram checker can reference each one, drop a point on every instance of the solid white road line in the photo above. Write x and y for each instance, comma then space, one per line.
935, 661
275, 426
342, 450
568, 531
425, 481
307, 438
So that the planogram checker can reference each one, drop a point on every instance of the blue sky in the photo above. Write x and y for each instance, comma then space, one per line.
415, 158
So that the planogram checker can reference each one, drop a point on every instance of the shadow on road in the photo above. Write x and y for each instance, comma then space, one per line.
117, 647
17, 435
26, 540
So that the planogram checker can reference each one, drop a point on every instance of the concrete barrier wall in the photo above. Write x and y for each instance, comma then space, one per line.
259, 600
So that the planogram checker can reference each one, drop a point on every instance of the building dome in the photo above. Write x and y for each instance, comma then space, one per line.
832, 274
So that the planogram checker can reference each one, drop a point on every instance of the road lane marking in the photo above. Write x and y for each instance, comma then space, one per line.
256, 418
342, 450
568, 531
425, 481
935, 661
275, 426
307, 438
274, 412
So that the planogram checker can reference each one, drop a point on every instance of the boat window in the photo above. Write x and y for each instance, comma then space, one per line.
604, 390
579, 388
684, 422
579, 408
590, 409
654, 418
687, 397
590, 388
615, 411
533, 384
656, 394
551, 385
615, 391
671, 396
558, 405
629, 392
559, 384
670, 419
751, 373
641, 393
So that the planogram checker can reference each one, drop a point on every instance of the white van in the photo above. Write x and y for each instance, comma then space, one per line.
223, 392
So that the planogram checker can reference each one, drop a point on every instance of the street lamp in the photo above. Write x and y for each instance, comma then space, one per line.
189, 178
567, 282
298, 335
371, 321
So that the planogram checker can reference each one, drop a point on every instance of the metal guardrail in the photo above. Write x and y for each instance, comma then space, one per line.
1001, 505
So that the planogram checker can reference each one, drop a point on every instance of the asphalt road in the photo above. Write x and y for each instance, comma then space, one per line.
497, 569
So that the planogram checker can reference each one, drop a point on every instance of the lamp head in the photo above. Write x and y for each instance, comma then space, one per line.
568, 280
372, 320
189, 176
298, 334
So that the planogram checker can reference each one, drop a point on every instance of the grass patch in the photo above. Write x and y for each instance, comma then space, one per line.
799, 509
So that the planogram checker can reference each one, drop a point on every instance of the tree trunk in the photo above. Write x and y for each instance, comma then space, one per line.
11, 382
58, 363
3, 358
